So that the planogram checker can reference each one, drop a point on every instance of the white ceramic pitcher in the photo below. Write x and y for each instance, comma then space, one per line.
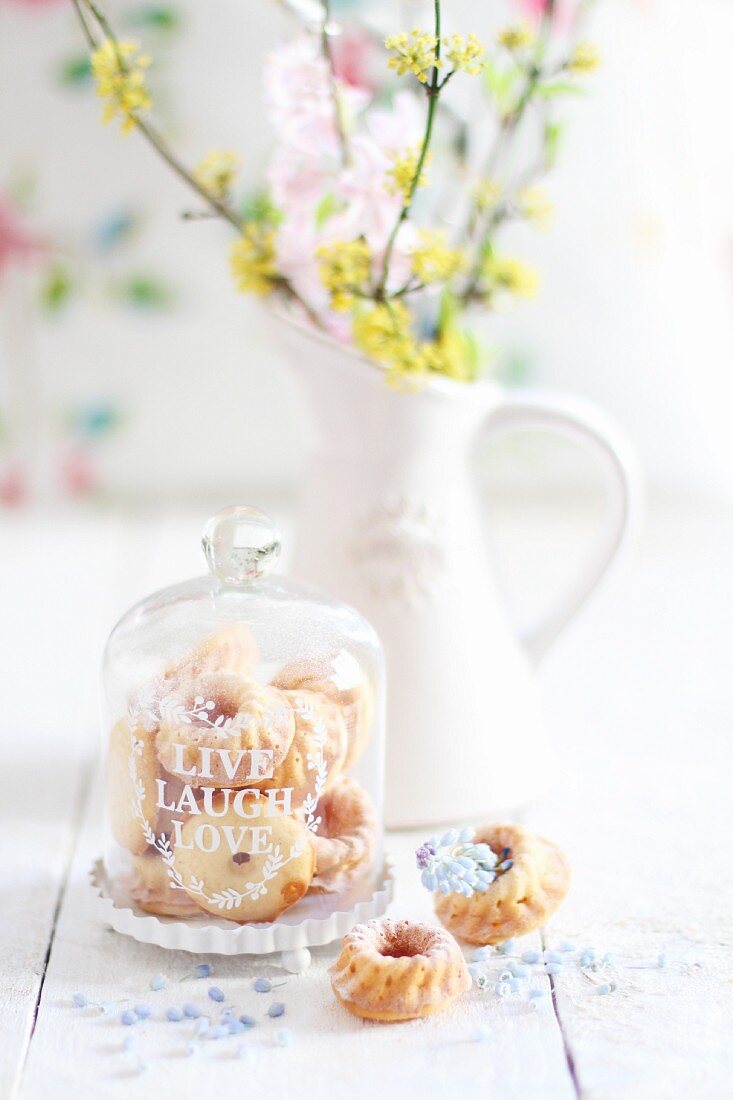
390, 523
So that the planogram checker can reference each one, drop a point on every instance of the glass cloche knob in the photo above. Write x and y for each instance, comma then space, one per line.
240, 544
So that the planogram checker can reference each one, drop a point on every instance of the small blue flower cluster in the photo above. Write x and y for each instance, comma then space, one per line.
453, 864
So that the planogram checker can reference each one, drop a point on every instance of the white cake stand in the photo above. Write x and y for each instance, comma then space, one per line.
316, 920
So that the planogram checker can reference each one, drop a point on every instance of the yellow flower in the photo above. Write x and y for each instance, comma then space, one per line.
433, 261
518, 37
252, 260
511, 275
446, 355
535, 206
217, 171
487, 193
413, 53
345, 269
384, 334
585, 58
119, 70
402, 173
464, 53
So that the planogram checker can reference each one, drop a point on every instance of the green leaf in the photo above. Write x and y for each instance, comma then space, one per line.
75, 70
500, 83
552, 137
158, 17
56, 288
558, 88
326, 208
145, 292
259, 207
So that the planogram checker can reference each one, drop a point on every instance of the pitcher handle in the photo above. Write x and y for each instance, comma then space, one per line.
579, 421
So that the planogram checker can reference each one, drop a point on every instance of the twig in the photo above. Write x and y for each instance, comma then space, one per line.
333, 85
220, 208
509, 126
433, 92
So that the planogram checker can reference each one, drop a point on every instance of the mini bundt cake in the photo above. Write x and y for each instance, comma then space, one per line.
346, 837
355, 702
519, 899
398, 970
319, 747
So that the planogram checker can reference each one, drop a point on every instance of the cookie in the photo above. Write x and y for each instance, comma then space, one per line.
121, 794
232, 853
318, 748
225, 730
151, 889
231, 648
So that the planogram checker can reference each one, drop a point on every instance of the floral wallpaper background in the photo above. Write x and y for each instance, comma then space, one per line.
131, 370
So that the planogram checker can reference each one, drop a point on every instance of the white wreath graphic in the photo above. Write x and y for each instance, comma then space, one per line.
316, 761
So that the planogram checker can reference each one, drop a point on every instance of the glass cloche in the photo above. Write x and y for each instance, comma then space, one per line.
243, 725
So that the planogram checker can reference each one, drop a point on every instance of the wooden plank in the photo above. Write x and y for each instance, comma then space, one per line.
52, 617
639, 703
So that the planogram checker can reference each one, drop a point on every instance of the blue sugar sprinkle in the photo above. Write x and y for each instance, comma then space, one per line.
192, 1011
277, 1008
248, 1021
261, 985
157, 982
143, 1011
284, 1037
507, 948
203, 970
80, 1000
128, 1018
173, 1014
531, 957
216, 994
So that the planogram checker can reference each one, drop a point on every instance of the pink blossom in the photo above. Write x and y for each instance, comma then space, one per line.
77, 472
299, 182
355, 57
13, 486
398, 126
297, 244
300, 102
16, 243
563, 14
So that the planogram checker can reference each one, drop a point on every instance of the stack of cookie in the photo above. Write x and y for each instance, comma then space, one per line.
232, 796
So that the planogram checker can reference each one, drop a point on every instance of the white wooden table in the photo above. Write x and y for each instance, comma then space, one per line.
638, 701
